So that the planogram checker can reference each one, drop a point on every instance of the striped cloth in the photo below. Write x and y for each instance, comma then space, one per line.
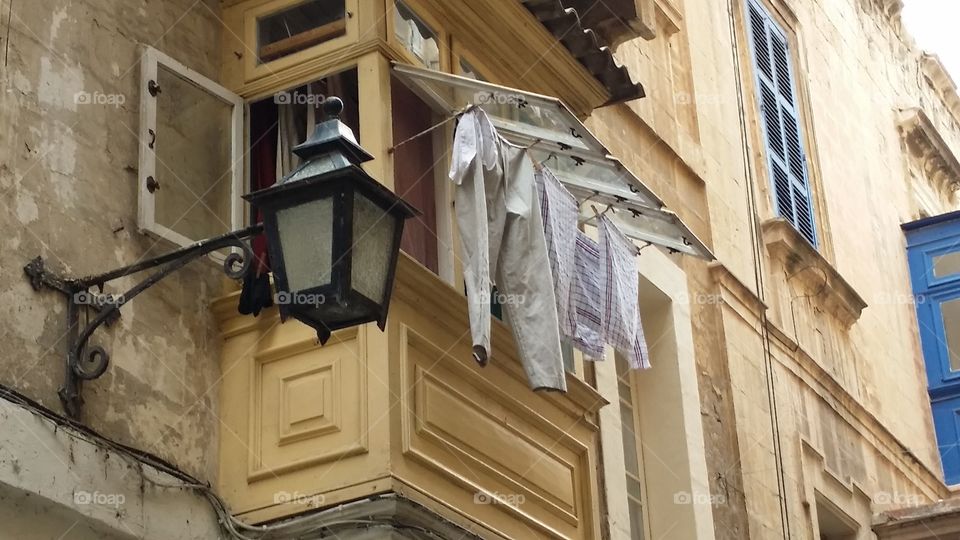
621, 315
586, 298
559, 211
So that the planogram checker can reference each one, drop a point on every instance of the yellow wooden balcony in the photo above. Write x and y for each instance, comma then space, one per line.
406, 411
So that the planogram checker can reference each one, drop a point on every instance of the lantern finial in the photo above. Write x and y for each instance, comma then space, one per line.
331, 145
332, 107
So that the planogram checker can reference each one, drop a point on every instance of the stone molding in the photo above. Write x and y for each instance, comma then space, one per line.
937, 520
48, 464
935, 72
890, 8
804, 263
743, 303
383, 516
930, 151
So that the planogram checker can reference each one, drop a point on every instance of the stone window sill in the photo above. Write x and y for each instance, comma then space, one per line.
802, 262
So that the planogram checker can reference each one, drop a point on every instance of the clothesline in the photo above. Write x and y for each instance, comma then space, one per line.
537, 164
455, 115
429, 129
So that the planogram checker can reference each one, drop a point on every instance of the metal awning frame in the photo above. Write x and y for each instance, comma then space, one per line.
639, 212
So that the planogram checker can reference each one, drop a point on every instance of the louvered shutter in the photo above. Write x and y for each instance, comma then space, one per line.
786, 158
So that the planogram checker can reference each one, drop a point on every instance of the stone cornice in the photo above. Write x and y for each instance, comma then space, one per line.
945, 86
805, 264
937, 520
931, 152
890, 8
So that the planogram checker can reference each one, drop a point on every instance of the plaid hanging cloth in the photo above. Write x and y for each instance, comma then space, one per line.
559, 212
586, 298
621, 285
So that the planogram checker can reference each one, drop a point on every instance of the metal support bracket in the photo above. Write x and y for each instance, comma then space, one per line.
83, 362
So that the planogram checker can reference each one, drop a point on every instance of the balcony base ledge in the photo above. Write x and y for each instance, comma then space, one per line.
389, 515
819, 279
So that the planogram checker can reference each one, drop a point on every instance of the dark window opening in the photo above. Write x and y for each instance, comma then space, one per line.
834, 524
414, 173
286, 119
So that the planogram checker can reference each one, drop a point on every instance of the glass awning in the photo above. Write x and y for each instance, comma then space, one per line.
559, 140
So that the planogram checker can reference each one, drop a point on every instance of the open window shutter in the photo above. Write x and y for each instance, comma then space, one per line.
191, 166
781, 121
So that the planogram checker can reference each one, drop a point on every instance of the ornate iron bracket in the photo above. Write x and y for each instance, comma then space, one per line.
85, 363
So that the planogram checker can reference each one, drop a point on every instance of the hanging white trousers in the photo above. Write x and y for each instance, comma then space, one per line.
501, 231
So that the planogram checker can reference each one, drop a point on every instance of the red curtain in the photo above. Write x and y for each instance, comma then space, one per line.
263, 160
413, 174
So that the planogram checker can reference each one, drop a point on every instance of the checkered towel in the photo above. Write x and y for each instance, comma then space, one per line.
559, 211
621, 315
586, 298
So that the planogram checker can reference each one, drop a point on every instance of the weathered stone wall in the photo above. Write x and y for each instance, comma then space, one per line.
851, 403
68, 190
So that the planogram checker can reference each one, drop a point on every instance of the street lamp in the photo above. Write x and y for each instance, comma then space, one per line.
333, 236
333, 232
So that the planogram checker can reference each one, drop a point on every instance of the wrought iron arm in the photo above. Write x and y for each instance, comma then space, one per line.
94, 364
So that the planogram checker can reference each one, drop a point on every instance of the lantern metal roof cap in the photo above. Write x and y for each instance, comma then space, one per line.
332, 135
330, 154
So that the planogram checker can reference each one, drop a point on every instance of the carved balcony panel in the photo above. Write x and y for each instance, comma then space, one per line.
408, 412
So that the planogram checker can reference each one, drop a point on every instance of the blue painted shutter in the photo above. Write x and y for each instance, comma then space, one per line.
938, 327
787, 161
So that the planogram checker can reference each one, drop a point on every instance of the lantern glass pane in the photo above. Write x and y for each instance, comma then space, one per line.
373, 230
306, 238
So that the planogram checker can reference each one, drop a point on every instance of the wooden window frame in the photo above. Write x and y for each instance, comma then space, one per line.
253, 69
150, 64
449, 268
633, 406
421, 12
373, 67
789, 24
